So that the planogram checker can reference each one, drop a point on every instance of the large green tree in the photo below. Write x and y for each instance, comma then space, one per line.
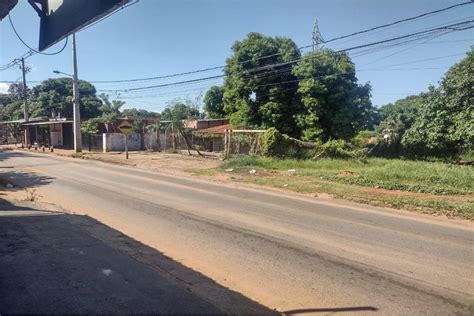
54, 96
334, 105
445, 122
11, 103
214, 102
396, 118
259, 87
11, 107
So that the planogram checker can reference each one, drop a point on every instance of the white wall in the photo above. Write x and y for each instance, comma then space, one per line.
56, 135
151, 141
116, 142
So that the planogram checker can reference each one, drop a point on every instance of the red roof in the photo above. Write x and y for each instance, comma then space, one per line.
215, 130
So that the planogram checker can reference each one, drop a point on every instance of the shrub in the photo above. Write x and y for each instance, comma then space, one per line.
340, 149
365, 139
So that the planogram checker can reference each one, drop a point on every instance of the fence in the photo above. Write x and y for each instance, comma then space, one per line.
242, 142
229, 143
92, 142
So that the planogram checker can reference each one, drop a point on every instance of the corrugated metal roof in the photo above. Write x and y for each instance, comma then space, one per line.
215, 130
47, 123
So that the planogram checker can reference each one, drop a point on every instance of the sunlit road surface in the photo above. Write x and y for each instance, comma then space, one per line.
294, 253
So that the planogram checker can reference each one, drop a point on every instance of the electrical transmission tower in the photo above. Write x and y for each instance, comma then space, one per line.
317, 37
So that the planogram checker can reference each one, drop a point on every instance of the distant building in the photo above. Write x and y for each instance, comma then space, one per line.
205, 123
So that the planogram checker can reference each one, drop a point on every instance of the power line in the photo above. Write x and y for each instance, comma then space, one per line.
419, 60
278, 54
181, 92
29, 47
452, 27
33, 51
400, 21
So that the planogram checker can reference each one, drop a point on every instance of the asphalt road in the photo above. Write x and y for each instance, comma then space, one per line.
300, 255
56, 263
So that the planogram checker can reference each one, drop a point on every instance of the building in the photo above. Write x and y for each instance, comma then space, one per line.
204, 123
40, 131
57, 132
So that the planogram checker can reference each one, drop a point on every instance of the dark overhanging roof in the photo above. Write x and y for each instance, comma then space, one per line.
6, 6
46, 123
21, 121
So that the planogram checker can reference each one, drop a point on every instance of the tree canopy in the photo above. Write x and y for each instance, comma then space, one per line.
214, 102
257, 92
333, 104
397, 117
313, 97
54, 97
179, 110
445, 123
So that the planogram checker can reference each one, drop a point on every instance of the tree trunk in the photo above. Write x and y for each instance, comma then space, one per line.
189, 143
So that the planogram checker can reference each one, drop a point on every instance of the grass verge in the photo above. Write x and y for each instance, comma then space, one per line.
427, 187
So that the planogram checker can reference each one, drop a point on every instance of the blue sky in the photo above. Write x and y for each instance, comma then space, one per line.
160, 37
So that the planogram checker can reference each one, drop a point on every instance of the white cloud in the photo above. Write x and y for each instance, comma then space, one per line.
4, 87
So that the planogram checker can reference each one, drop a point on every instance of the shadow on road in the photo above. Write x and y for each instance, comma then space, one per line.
61, 263
331, 310
16, 177
22, 180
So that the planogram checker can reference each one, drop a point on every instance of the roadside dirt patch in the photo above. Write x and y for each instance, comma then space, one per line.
346, 173
169, 163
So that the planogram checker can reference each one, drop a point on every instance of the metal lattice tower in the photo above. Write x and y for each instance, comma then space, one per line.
317, 37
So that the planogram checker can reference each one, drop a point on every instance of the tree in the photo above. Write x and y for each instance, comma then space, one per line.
176, 112
90, 126
140, 113
257, 91
445, 123
334, 105
110, 109
214, 102
179, 110
396, 118
54, 97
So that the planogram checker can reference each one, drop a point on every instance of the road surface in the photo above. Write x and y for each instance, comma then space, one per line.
297, 254
57, 263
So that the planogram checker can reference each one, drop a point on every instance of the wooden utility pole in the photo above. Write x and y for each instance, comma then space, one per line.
225, 144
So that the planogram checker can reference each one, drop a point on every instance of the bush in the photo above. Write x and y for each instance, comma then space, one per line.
365, 139
279, 145
340, 149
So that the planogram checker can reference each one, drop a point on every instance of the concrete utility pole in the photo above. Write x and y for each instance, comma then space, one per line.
76, 108
26, 115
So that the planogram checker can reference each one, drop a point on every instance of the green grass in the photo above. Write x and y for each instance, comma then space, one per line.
392, 174
427, 187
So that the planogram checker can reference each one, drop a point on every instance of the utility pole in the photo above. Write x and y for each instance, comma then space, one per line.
26, 115
76, 103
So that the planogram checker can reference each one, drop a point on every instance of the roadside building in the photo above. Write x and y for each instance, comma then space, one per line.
212, 138
40, 131
204, 123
